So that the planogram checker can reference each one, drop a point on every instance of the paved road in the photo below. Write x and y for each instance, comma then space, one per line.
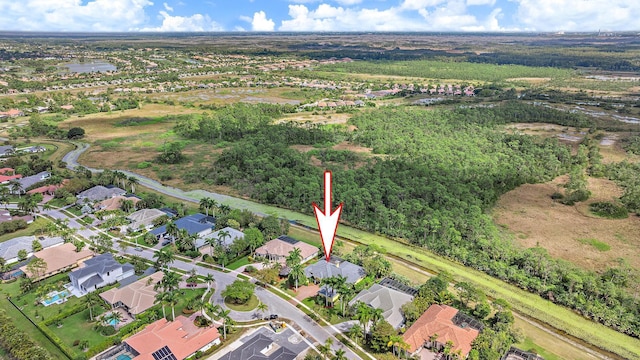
276, 304
71, 159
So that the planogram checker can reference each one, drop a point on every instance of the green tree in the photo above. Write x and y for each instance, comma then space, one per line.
238, 292
254, 238
22, 254
37, 267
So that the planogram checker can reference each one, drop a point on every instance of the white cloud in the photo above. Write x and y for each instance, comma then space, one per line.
578, 15
261, 23
348, 2
410, 15
167, 7
72, 15
195, 22
481, 2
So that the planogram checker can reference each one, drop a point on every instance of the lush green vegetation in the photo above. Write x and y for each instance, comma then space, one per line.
609, 210
444, 170
453, 69
14, 340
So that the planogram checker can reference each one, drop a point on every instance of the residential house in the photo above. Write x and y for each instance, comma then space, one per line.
28, 181
99, 193
201, 243
144, 218
196, 224
388, 300
13, 113
114, 203
47, 189
98, 272
5, 215
7, 150
260, 347
9, 249
278, 249
167, 340
136, 297
60, 259
439, 325
517, 354
335, 267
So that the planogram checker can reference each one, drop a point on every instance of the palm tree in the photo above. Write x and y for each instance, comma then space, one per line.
222, 236
355, 332
132, 181
207, 203
224, 316
119, 177
262, 307
15, 187
345, 291
363, 314
209, 279
164, 258
294, 257
4, 196
340, 355
172, 230
376, 316
171, 297
296, 273
169, 281
394, 342
126, 205
91, 299
211, 241
114, 316
160, 298
325, 349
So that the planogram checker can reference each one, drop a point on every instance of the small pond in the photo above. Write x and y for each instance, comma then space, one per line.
88, 67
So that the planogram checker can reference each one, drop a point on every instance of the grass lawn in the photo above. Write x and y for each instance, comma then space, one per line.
599, 245
238, 263
529, 345
184, 298
23, 323
75, 210
29, 230
140, 241
78, 327
57, 202
248, 306
331, 314
28, 300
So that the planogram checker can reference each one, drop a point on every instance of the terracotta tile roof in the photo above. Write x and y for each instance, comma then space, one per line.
47, 189
181, 336
279, 247
4, 178
60, 257
114, 203
137, 296
4, 171
438, 320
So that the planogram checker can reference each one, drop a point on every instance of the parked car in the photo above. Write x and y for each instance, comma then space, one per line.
273, 316
138, 248
166, 242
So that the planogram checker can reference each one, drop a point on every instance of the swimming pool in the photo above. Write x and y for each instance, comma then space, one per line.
123, 357
55, 297
114, 322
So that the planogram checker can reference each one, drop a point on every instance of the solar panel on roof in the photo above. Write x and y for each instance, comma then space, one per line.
288, 239
164, 354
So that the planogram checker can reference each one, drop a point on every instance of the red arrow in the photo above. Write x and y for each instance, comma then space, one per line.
327, 222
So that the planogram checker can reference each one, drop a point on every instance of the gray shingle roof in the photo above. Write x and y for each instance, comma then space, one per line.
193, 224
251, 350
388, 300
323, 269
99, 193
28, 181
100, 264
234, 234
9, 249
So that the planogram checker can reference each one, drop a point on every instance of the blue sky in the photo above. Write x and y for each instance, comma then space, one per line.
320, 15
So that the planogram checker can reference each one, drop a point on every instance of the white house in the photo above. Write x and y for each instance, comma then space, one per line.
99, 271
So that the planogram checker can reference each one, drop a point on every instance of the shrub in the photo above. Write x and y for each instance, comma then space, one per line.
557, 196
76, 342
144, 165
609, 210
202, 321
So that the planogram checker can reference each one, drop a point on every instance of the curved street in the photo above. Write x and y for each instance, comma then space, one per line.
71, 160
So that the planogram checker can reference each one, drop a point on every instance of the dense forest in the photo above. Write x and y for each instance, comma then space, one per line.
432, 178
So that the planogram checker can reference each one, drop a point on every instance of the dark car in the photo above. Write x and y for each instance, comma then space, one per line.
273, 316
166, 242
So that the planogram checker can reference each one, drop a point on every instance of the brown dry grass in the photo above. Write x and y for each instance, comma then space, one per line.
531, 80
330, 118
535, 219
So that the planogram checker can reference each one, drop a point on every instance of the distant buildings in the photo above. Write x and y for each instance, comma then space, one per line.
9, 249
278, 249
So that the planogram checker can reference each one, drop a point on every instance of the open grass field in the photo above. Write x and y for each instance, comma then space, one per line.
223, 96
572, 233
23, 323
31, 229
79, 327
